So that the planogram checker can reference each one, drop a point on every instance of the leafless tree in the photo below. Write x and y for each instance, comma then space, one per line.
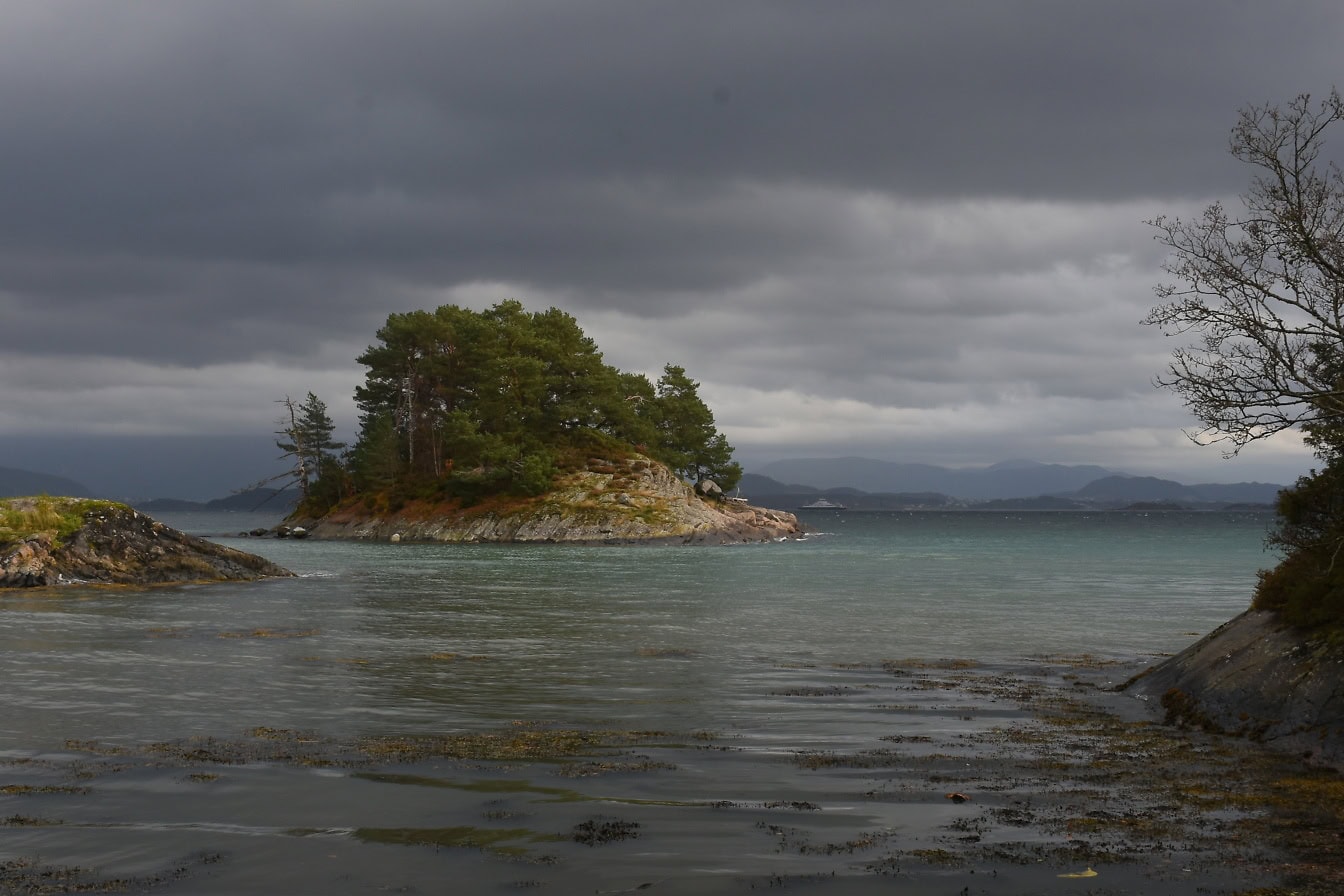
1262, 291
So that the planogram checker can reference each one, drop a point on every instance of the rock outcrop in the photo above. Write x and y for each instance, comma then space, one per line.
1256, 678
76, 541
635, 501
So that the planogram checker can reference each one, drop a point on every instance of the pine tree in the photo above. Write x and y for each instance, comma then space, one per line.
466, 403
688, 441
306, 436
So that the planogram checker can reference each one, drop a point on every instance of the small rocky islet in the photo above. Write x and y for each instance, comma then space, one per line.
50, 541
634, 500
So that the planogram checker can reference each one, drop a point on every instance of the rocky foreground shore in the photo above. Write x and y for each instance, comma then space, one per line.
635, 501
1254, 677
60, 541
989, 781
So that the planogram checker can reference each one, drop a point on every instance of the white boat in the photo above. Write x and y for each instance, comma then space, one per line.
822, 504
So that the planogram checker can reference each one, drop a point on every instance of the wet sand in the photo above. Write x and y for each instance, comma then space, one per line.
963, 779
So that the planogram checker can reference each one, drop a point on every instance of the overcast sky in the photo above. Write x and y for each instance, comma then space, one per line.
904, 230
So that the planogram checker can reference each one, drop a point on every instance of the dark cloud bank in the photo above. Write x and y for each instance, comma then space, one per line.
911, 231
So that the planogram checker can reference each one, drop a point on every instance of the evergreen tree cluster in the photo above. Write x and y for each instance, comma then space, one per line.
459, 404
1307, 587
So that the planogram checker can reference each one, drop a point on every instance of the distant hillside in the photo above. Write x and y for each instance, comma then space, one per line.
23, 483
1010, 480
1150, 488
257, 499
1013, 479
1109, 492
769, 492
755, 485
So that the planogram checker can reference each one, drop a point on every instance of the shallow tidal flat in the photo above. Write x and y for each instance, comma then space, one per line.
948, 777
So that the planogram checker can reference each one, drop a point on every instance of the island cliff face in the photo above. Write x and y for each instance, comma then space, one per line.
632, 501
73, 541
1255, 677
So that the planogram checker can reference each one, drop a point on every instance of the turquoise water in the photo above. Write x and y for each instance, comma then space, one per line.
378, 639
375, 638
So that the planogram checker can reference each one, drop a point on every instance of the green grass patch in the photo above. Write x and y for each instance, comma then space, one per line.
59, 518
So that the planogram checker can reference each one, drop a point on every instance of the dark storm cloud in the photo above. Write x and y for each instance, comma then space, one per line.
931, 202
300, 131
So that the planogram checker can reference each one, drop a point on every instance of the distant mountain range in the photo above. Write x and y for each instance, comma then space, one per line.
15, 483
863, 483
256, 499
860, 483
22, 483
1012, 479
1150, 488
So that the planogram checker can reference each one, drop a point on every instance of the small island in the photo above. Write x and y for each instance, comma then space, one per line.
46, 541
633, 500
507, 426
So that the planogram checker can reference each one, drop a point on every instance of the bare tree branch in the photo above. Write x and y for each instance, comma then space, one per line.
1262, 295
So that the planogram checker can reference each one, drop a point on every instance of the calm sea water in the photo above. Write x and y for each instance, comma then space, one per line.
377, 638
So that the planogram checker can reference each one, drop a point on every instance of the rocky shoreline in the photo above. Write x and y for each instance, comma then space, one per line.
70, 541
983, 780
635, 501
1257, 678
